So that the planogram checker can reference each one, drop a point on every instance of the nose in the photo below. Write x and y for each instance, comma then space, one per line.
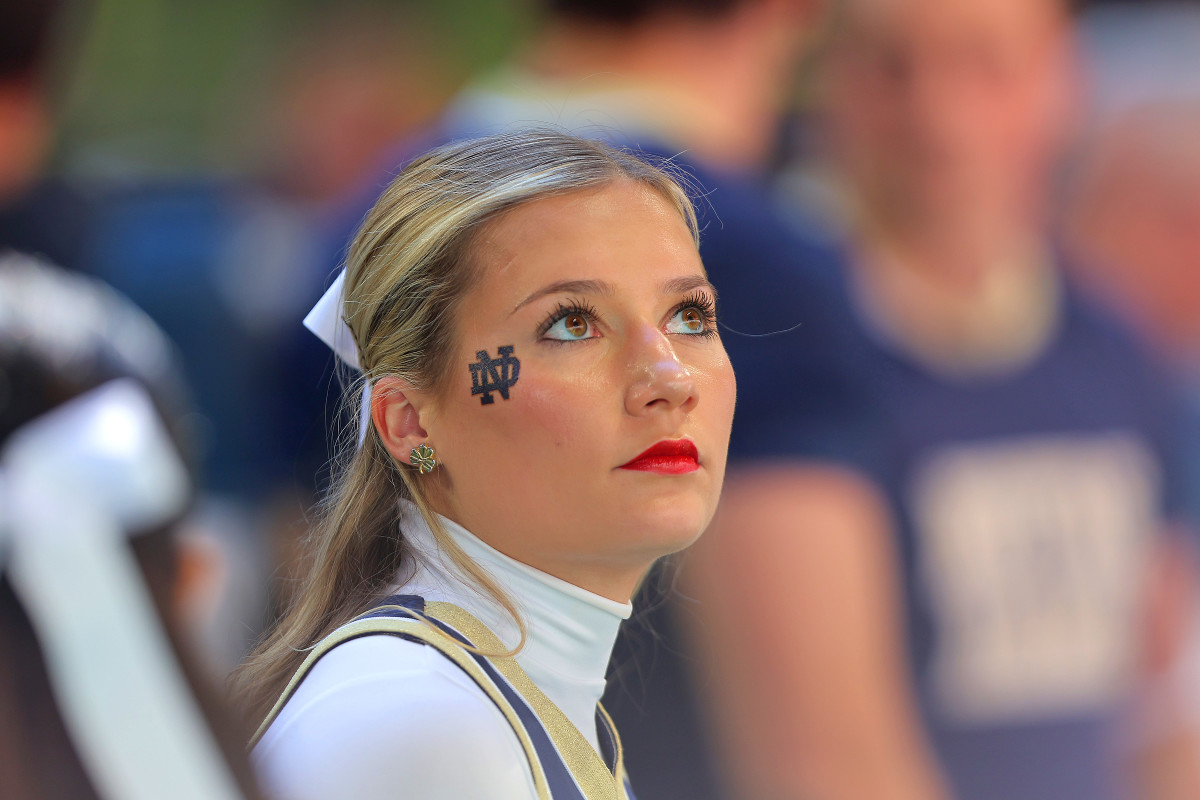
659, 381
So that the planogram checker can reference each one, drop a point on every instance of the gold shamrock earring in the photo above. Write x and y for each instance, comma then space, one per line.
422, 458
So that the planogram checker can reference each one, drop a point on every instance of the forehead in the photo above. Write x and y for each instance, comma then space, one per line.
623, 232
930, 20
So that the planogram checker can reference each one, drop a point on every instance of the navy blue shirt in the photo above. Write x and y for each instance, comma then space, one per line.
1024, 505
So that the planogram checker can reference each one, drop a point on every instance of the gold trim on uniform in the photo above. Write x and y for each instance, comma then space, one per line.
581, 759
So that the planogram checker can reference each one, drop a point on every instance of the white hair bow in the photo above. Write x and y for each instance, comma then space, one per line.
328, 322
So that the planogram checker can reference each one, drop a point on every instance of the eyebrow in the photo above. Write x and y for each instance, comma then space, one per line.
568, 287
674, 286
687, 283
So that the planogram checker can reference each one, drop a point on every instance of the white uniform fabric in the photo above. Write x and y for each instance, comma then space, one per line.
381, 717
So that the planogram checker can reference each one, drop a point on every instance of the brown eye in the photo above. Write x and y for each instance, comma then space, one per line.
689, 320
571, 326
575, 324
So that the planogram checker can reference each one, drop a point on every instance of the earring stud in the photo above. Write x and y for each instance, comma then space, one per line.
422, 458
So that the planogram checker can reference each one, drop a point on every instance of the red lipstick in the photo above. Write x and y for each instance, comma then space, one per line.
668, 457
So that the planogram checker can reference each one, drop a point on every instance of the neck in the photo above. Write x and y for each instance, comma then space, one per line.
955, 246
612, 580
959, 262
615, 578
570, 631
719, 81
961, 313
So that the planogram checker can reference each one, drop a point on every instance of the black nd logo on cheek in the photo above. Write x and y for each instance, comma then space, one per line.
494, 374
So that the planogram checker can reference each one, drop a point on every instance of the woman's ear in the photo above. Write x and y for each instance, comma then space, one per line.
395, 411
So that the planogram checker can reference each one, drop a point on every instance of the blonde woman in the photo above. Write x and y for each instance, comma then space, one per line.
548, 410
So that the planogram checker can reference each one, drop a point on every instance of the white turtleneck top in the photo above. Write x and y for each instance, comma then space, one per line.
380, 717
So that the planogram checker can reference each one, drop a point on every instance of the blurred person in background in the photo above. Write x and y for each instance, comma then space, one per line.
704, 84
1133, 215
99, 696
38, 214
1133, 201
708, 76
986, 525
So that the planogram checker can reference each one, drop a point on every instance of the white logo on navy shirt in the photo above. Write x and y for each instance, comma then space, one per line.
1031, 555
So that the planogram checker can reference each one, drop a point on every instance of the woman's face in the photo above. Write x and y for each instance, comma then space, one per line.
601, 297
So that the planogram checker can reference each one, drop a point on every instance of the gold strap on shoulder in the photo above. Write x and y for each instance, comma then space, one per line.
588, 768
424, 632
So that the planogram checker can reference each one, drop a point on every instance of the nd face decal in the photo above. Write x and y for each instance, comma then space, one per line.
494, 374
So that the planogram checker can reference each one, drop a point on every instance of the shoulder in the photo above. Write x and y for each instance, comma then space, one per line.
1089, 316
380, 712
1098, 337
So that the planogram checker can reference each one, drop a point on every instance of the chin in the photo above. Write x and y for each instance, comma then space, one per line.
668, 527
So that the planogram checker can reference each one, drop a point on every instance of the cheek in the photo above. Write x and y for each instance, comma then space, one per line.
547, 418
727, 394
561, 414
719, 371
718, 395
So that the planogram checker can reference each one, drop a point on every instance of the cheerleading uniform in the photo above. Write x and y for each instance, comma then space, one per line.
400, 700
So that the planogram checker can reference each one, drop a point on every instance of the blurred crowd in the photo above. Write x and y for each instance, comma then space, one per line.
957, 246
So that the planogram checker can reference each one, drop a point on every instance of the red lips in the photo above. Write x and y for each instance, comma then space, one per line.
668, 457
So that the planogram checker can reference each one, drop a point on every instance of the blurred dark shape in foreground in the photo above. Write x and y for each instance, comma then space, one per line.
99, 696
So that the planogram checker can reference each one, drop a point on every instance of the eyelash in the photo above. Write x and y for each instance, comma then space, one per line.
706, 305
697, 299
581, 307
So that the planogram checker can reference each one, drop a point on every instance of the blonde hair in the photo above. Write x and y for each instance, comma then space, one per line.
407, 270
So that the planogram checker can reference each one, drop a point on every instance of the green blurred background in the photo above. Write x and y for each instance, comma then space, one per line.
169, 86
